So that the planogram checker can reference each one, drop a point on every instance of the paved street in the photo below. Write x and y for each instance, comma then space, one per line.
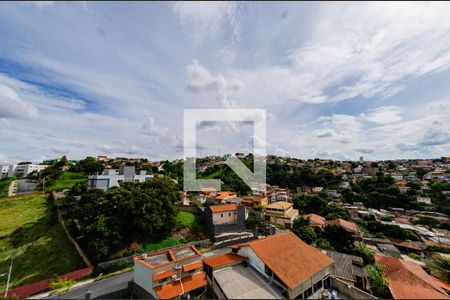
25, 186
99, 288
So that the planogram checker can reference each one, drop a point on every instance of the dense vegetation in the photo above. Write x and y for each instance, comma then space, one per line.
390, 231
133, 212
4, 186
379, 192
319, 204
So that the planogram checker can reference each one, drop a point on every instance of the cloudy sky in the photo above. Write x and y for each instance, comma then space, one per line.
338, 80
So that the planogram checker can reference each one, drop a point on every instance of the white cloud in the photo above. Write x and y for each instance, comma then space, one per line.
384, 115
204, 19
12, 106
200, 80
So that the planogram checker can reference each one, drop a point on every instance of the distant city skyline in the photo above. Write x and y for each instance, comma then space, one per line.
337, 80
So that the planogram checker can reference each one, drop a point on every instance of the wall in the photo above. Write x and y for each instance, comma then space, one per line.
349, 291
253, 259
142, 276
226, 217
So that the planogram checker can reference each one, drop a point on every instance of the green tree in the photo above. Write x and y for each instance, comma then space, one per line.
339, 238
378, 284
441, 267
303, 229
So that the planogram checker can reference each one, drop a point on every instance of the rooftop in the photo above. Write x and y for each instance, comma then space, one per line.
164, 257
409, 281
291, 259
177, 288
279, 205
222, 208
344, 224
315, 218
240, 282
222, 260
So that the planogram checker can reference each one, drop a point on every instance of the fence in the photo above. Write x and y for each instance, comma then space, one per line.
69, 236
40, 286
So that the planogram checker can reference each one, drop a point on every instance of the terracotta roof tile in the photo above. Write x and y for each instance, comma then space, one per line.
279, 205
344, 224
406, 244
315, 219
193, 266
224, 207
408, 280
291, 259
162, 275
224, 195
222, 260
175, 288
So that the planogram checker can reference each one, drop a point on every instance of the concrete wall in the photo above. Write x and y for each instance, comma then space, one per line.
226, 217
253, 259
348, 290
142, 276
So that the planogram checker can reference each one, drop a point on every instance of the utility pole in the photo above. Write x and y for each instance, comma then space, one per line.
9, 277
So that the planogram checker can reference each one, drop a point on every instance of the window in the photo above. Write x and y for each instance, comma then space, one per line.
318, 285
308, 293
229, 214
327, 282
221, 215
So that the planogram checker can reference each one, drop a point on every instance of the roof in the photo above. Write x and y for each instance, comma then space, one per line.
279, 205
344, 267
176, 288
224, 207
315, 218
291, 213
389, 249
240, 282
224, 195
406, 244
344, 224
222, 260
408, 280
290, 258
162, 275
193, 266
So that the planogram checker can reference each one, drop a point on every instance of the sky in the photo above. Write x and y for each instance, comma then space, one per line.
337, 80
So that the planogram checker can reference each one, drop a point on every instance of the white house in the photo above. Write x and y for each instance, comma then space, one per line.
113, 178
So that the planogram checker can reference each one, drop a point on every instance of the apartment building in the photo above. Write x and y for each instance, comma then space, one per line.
281, 213
113, 178
20, 170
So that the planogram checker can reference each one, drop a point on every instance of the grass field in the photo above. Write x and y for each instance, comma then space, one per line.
66, 181
190, 220
29, 231
4, 186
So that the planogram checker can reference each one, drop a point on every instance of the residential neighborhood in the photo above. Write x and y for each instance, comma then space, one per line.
224, 150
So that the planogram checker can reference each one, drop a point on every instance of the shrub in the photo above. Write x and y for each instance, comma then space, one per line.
61, 286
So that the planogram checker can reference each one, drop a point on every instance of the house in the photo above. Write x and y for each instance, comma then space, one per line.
425, 200
226, 218
167, 274
222, 196
113, 178
408, 280
298, 269
281, 213
315, 220
255, 202
349, 226
348, 268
